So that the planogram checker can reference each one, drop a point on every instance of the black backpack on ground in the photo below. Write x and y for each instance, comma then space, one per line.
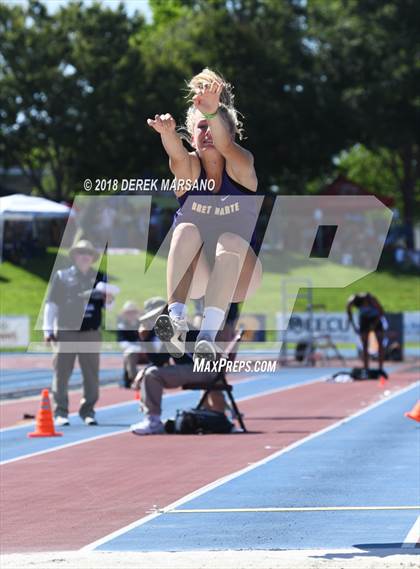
198, 421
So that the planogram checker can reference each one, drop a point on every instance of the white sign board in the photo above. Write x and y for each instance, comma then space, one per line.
412, 326
14, 331
336, 324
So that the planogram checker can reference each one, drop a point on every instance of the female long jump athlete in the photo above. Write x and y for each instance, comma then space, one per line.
371, 318
214, 226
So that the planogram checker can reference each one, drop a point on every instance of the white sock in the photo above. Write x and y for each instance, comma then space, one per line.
213, 318
178, 309
154, 418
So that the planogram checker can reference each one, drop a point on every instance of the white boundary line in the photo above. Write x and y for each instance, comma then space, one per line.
78, 389
281, 510
112, 405
4, 403
67, 445
277, 389
232, 476
413, 536
75, 414
127, 430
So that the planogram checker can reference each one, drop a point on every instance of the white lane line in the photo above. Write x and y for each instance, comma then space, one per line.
285, 388
111, 406
413, 537
67, 445
255, 377
71, 415
127, 430
238, 473
75, 414
7, 402
280, 510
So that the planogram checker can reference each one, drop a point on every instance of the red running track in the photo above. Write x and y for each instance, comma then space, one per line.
68, 498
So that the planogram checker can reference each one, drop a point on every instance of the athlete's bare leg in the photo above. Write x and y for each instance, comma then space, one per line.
236, 273
364, 337
183, 255
380, 339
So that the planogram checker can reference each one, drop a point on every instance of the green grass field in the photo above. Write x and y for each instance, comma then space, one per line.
22, 289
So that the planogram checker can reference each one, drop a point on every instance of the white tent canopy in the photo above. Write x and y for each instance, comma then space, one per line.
20, 206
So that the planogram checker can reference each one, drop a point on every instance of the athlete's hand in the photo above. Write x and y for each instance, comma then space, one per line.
207, 99
162, 123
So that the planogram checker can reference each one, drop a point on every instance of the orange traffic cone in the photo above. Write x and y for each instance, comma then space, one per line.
382, 382
414, 413
137, 395
44, 419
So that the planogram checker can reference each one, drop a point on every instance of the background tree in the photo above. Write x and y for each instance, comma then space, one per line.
314, 80
70, 91
35, 128
373, 170
259, 47
369, 54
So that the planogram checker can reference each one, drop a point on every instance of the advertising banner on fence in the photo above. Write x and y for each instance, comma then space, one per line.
254, 327
14, 331
335, 324
402, 327
412, 326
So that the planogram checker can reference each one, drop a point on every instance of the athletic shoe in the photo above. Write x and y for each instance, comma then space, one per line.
205, 349
172, 330
62, 421
90, 421
148, 427
236, 429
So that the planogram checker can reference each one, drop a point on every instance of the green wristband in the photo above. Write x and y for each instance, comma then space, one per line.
209, 115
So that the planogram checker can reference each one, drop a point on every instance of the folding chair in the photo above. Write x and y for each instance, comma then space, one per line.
220, 382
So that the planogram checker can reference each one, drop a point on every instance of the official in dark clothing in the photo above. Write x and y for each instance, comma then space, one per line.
72, 321
161, 374
128, 338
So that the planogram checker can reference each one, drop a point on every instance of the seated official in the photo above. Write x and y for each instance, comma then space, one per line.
128, 336
166, 373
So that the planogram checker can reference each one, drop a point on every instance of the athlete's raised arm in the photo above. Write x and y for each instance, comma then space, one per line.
179, 158
239, 161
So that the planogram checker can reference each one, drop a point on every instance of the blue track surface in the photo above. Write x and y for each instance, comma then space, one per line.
14, 442
371, 460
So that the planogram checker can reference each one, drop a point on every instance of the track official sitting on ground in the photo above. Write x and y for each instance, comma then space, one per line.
72, 321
